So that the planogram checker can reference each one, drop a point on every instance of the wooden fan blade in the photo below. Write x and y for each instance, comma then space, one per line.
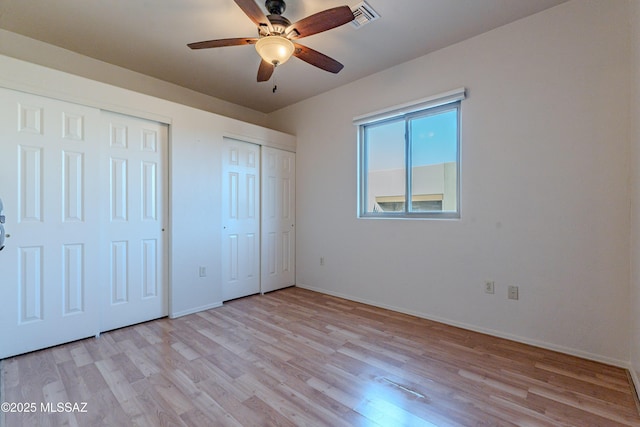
265, 70
317, 59
319, 22
223, 42
253, 11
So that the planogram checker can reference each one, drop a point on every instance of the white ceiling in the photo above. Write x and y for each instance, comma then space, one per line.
150, 37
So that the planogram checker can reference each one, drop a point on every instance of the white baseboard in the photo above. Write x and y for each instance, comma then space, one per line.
195, 310
545, 345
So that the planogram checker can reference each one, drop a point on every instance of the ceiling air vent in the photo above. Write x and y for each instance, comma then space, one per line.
363, 14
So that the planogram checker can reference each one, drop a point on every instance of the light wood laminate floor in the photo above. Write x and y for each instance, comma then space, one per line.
296, 357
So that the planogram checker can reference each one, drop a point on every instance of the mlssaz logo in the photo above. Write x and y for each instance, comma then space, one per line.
50, 407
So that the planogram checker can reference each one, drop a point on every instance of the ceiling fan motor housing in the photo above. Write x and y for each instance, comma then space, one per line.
279, 23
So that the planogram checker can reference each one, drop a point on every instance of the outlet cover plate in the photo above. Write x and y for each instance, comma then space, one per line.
489, 287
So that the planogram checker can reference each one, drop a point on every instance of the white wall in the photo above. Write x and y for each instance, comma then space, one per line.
544, 190
37, 52
635, 229
195, 169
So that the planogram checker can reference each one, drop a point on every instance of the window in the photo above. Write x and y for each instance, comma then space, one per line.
411, 150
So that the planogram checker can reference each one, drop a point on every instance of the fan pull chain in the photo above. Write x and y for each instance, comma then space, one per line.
275, 82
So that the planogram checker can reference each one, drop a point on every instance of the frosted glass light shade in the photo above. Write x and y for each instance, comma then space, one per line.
275, 50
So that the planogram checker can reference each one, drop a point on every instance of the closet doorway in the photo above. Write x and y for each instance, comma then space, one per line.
258, 219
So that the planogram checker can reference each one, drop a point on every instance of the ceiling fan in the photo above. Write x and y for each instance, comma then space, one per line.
276, 34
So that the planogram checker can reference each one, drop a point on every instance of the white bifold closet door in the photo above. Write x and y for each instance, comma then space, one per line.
258, 219
278, 219
135, 186
67, 270
240, 219
50, 268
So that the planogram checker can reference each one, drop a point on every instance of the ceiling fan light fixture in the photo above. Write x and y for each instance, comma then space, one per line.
275, 50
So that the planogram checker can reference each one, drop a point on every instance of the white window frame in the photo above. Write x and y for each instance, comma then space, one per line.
407, 112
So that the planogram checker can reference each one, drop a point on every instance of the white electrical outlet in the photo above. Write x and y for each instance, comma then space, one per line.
202, 271
321, 260
489, 287
513, 292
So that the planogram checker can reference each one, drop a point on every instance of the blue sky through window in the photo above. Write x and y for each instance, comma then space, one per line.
434, 141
